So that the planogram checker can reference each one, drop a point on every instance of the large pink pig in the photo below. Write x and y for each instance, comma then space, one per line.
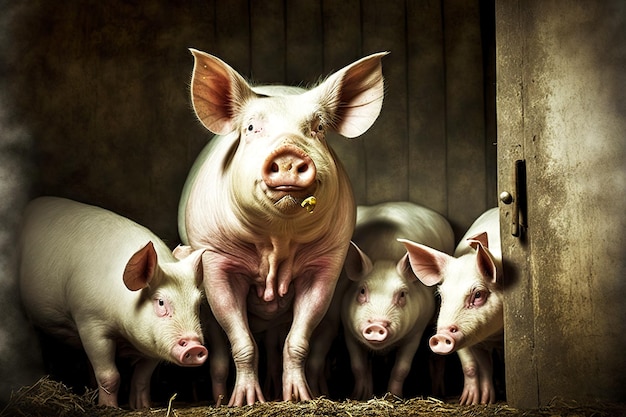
94, 278
272, 205
386, 307
471, 320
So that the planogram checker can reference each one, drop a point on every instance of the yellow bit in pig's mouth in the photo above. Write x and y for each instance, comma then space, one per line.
309, 203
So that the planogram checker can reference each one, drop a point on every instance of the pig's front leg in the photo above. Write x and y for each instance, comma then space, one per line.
227, 297
402, 366
361, 370
478, 386
140, 384
312, 298
101, 353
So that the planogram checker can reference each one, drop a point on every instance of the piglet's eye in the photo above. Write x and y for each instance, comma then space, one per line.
162, 308
250, 128
478, 297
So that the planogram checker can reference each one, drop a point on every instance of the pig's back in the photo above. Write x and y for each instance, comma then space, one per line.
379, 226
74, 253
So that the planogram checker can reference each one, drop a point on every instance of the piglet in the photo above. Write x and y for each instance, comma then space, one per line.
92, 277
272, 205
386, 306
471, 317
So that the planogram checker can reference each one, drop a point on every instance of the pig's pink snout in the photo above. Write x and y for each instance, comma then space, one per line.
289, 168
376, 332
190, 352
443, 342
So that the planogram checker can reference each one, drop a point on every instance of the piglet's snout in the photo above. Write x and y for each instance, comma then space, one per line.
444, 341
190, 352
376, 332
289, 168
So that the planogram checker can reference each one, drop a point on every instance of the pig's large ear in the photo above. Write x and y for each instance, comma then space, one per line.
354, 95
217, 92
403, 267
140, 268
427, 263
481, 238
357, 264
185, 254
486, 265
194, 259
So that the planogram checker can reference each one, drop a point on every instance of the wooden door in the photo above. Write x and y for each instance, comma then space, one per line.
561, 105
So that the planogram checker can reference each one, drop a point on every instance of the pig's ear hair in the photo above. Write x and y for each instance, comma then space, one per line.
427, 263
486, 265
218, 93
357, 263
140, 268
354, 95
481, 238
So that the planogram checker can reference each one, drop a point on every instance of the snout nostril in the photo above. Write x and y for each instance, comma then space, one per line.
303, 168
448, 342
274, 167
381, 332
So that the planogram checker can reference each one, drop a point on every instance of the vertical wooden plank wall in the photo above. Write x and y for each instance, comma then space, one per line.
110, 111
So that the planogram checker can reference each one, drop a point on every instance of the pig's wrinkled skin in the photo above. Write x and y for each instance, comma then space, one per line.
471, 320
91, 277
386, 306
243, 202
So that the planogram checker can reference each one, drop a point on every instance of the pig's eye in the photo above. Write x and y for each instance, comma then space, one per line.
478, 297
162, 307
362, 297
250, 128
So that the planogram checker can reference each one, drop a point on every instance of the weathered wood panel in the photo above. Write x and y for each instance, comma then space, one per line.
563, 110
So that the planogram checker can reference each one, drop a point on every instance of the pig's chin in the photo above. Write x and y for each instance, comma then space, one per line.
288, 200
380, 348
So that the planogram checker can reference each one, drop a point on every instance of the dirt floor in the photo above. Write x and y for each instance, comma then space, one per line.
50, 398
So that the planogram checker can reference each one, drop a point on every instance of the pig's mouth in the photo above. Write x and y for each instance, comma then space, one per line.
289, 197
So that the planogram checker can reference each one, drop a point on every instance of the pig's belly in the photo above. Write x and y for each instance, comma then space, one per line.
279, 307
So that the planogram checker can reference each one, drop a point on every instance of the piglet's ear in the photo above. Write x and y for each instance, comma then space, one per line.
357, 264
354, 95
428, 264
140, 268
217, 92
486, 265
403, 268
479, 238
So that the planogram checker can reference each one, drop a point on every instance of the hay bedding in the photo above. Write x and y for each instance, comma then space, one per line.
50, 398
